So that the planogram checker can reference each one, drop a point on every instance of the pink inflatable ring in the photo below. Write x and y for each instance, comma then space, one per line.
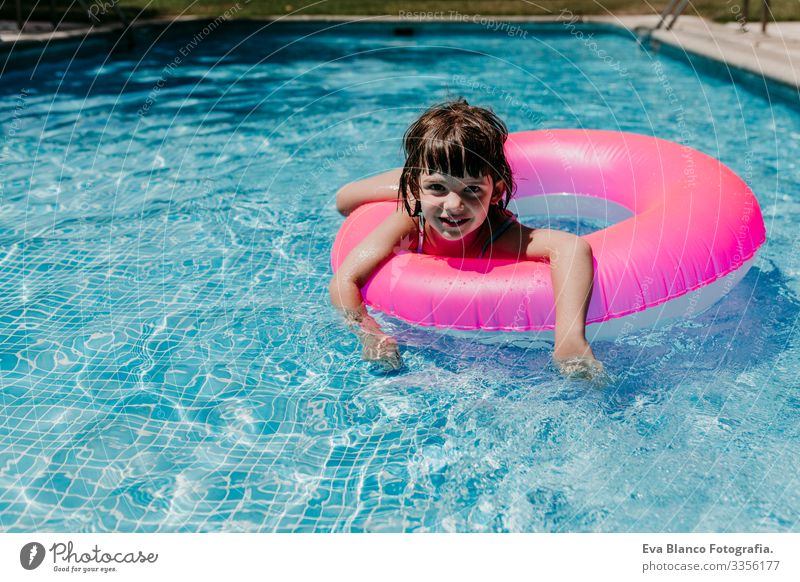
686, 231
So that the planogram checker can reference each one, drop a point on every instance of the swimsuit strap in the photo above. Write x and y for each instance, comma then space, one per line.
421, 232
496, 234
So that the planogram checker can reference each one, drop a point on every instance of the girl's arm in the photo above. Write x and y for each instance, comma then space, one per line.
381, 187
346, 283
572, 275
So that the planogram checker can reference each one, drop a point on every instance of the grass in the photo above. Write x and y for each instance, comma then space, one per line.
718, 10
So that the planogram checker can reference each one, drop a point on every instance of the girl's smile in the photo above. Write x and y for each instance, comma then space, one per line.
455, 222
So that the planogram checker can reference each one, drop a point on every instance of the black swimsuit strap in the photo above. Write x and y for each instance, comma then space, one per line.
421, 237
496, 234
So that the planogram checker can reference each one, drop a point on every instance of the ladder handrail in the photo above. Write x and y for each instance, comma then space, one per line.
764, 9
676, 7
681, 7
666, 12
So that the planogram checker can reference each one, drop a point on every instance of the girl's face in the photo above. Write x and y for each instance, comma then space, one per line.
456, 207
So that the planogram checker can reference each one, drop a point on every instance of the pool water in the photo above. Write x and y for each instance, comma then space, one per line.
170, 360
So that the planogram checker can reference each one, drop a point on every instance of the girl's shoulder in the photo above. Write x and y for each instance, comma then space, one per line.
506, 220
399, 226
409, 229
513, 240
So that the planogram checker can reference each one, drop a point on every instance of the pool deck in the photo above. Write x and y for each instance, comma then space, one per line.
774, 55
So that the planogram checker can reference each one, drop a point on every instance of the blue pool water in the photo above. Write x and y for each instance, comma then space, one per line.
170, 361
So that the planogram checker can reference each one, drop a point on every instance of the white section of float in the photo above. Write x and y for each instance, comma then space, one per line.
536, 210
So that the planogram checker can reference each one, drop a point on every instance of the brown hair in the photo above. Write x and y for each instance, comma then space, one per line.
455, 138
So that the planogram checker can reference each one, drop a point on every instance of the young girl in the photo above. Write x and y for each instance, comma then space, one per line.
452, 196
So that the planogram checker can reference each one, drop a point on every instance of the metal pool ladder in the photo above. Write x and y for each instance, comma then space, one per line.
675, 8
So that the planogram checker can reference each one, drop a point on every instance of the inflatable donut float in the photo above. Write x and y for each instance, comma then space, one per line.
686, 230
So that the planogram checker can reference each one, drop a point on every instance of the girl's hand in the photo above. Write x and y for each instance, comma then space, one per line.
575, 359
381, 349
582, 368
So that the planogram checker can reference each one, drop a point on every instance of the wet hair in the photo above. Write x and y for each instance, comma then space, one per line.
457, 139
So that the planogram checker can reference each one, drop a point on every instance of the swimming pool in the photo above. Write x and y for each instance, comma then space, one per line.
170, 361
